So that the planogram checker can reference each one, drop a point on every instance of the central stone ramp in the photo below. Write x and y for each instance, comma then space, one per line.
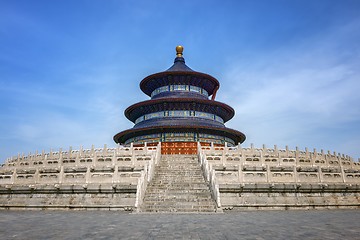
178, 186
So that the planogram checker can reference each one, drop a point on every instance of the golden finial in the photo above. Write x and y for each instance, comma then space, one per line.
179, 51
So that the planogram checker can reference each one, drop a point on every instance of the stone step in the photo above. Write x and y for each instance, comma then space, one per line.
187, 161
179, 193
168, 204
174, 168
173, 182
179, 206
184, 181
174, 162
179, 171
189, 179
184, 187
179, 176
179, 163
166, 192
177, 166
171, 198
178, 199
178, 187
178, 179
179, 209
180, 202
180, 159
175, 175
176, 210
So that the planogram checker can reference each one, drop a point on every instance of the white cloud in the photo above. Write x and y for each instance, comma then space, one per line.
292, 96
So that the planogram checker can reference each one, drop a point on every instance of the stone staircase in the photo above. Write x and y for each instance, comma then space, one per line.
178, 186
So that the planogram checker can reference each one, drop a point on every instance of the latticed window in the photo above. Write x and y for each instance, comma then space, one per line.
179, 88
179, 113
218, 119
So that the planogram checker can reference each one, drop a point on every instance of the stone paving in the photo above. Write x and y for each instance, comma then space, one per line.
325, 224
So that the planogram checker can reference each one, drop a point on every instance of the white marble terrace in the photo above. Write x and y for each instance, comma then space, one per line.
231, 165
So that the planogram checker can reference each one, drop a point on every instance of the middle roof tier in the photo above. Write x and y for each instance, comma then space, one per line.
218, 109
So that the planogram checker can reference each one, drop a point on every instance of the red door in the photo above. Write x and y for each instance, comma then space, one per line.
179, 148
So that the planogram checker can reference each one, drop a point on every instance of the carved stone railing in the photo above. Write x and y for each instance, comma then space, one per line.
141, 188
154, 162
282, 156
146, 176
133, 158
210, 177
263, 165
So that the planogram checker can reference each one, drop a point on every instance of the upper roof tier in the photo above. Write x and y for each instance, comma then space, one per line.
179, 74
179, 62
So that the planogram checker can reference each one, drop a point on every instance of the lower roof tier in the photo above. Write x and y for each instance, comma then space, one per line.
180, 133
180, 121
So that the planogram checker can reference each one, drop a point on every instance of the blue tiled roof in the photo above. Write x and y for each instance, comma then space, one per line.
179, 66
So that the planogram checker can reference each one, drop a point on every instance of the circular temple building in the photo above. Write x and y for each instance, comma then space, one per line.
180, 110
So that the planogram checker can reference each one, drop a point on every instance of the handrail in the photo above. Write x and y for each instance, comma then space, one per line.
146, 176
154, 161
209, 174
141, 186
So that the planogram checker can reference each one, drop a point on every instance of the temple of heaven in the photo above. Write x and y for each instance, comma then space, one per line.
180, 109
180, 157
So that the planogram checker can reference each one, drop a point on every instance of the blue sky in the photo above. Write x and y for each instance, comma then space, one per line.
290, 69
